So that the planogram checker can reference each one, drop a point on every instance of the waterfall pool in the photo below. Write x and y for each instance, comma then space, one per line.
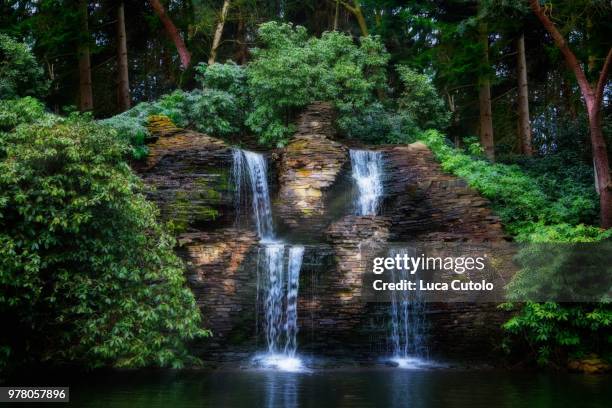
380, 387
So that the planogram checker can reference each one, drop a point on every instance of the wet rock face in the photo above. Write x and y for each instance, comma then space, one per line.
425, 203
222, 273
190, 180
309, 167
188, 175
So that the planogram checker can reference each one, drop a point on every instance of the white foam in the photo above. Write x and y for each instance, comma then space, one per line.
279, 362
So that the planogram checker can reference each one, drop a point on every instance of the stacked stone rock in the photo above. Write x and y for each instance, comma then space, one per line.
309, 166
426, 202
189, 174
222, 273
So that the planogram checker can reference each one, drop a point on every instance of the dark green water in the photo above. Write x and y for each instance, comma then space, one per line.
341, 388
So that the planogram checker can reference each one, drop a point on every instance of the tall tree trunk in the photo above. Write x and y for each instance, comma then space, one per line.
337, 11
242, 52
218, 33
484, 98
593, 96
123, 82
173, 33
523, 99
85, 88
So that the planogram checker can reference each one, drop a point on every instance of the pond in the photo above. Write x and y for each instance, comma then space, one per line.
374, 387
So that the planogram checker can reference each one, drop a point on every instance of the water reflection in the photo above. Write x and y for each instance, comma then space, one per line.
340, 388
281, 389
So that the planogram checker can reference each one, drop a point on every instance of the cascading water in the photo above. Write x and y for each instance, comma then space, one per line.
407, 336
281, 266
367, 172
255, 167
407, 307
296, 254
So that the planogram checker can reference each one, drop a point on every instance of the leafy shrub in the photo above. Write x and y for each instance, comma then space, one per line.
398, 121
213, 111
524, 207
556, 332
20, 74
131, 130
376, 123
420, 100
228, 77
14, 112
86, 273
290, 70
568, 181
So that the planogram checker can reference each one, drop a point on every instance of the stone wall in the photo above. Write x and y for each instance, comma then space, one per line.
189, 176
308, 169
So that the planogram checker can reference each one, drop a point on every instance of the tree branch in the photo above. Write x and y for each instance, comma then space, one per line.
172, 32
570, 58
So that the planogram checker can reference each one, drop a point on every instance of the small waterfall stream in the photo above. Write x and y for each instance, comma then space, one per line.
367, 174
407, 331
280, 265
407, 336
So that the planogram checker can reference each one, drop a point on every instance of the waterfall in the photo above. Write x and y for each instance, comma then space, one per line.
296, 254
256, 168
367, 173
281, 285
407, 334
281, 265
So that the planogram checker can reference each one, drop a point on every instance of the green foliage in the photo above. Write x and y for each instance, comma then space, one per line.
20, 75
420, 100
556, 332
568, 181
86, 273
216, 109
534, 207
131, 128
228, 77
376, 123
525, 208
14, 112
402, 120
290, 70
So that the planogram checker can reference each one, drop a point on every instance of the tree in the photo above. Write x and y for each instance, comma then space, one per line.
484, 96
173, 33
123, 82
593, 98
218, 33
524, 127
85, 88
20, 74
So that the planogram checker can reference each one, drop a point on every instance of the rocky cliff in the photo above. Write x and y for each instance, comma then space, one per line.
190, 178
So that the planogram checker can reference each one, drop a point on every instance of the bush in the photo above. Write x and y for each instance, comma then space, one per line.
420, 101
216, 111
398, 121
526, 209
14, 112
86, 273
20, 74
556, 333
290, 70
